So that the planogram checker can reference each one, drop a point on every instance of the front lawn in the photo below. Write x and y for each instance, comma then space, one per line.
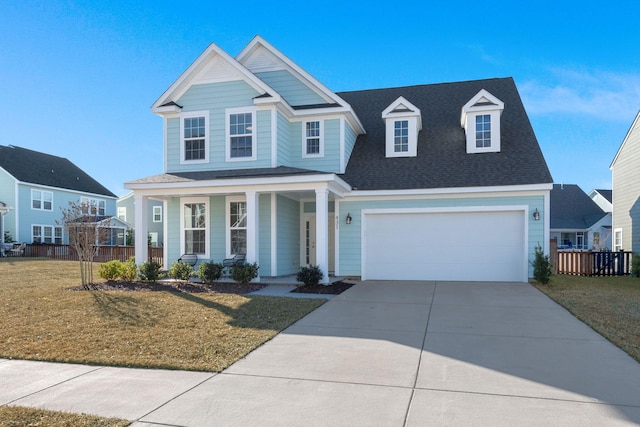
14, 416
42, 320
610, 305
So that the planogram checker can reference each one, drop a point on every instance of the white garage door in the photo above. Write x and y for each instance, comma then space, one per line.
461, 246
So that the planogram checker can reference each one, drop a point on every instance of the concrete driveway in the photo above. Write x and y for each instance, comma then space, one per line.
380, 354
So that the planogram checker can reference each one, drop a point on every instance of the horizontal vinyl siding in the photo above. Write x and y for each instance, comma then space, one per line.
349, 141
215, 98
330, 162
284, 141
172, 239
288, 243
290, 88
626, 191
8, 196
350, 235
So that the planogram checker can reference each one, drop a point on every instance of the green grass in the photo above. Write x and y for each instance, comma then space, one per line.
609, 305
15, 416
42, 320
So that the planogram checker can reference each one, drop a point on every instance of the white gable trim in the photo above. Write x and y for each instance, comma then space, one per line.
213, 64
636, 121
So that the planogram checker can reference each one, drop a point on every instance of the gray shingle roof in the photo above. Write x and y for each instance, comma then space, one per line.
442, 161
607, 194
572, 208
44, 169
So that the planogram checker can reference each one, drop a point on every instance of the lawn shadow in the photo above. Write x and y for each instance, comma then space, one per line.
126, 309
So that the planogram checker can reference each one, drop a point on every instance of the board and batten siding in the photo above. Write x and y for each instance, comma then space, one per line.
351, 236
288, 235
216, 98
626, 190
294, 91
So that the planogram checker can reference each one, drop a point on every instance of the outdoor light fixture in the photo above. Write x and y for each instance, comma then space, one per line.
536, 215
348, 219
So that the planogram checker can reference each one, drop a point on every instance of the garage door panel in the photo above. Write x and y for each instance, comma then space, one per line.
445, 246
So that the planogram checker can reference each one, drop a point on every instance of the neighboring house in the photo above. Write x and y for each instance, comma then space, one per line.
603, 198
577, 221
155, 217
38, 186
430, 182
625, 171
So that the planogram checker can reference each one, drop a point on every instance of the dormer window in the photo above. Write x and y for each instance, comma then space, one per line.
403, 121
480, 119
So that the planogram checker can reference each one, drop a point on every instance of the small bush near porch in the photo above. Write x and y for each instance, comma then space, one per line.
43, 320
609, 305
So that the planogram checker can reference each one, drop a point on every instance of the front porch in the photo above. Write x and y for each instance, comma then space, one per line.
279, 222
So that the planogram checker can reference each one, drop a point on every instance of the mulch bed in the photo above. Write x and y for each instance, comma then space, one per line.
334, 288
186, 287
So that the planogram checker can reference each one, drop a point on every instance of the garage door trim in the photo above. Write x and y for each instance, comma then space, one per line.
522, 209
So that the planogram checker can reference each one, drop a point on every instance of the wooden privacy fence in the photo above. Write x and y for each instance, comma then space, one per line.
103, 253
589, 263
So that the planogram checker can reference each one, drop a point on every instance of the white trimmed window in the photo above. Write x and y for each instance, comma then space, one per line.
93, 206
195, 226
122, 213
617, 239
312, 140
41, 200
403, 122
236, 226
194, 137
157, 214
46, 234
241, 132
481, 121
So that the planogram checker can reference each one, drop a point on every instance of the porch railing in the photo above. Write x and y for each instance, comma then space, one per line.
103, 253
589, 263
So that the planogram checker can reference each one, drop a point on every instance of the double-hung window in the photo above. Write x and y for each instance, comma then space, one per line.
401, 136
194, 227
157, 214
241, 134
237, 227
41, 200
483, 131
194, 129
312, 145
92, 206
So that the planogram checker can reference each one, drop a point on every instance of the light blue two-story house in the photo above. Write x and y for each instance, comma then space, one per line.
37, 186
430, 182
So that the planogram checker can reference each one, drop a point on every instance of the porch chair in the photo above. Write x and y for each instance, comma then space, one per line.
190, 259
236, 260
18, 250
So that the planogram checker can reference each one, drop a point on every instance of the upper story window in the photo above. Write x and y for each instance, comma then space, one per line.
157, 214
122, 213
312, 141
93, 206
194, 142
480, 119
240, 135
403, 122
42, 200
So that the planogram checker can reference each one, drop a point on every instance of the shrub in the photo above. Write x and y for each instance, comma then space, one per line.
244, 273
180, 271
310, 275
149, 271
110, 270
635, 265
541, 266
129, 270
210, 271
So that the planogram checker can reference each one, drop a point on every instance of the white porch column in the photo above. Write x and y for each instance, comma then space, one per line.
322, 232
141, 206
253, 207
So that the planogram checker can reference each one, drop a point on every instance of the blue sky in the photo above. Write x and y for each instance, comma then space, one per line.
77, 78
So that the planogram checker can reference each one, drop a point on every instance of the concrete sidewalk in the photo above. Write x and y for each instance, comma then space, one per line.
380, 354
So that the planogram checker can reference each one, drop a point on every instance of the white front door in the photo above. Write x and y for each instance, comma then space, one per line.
309, 241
